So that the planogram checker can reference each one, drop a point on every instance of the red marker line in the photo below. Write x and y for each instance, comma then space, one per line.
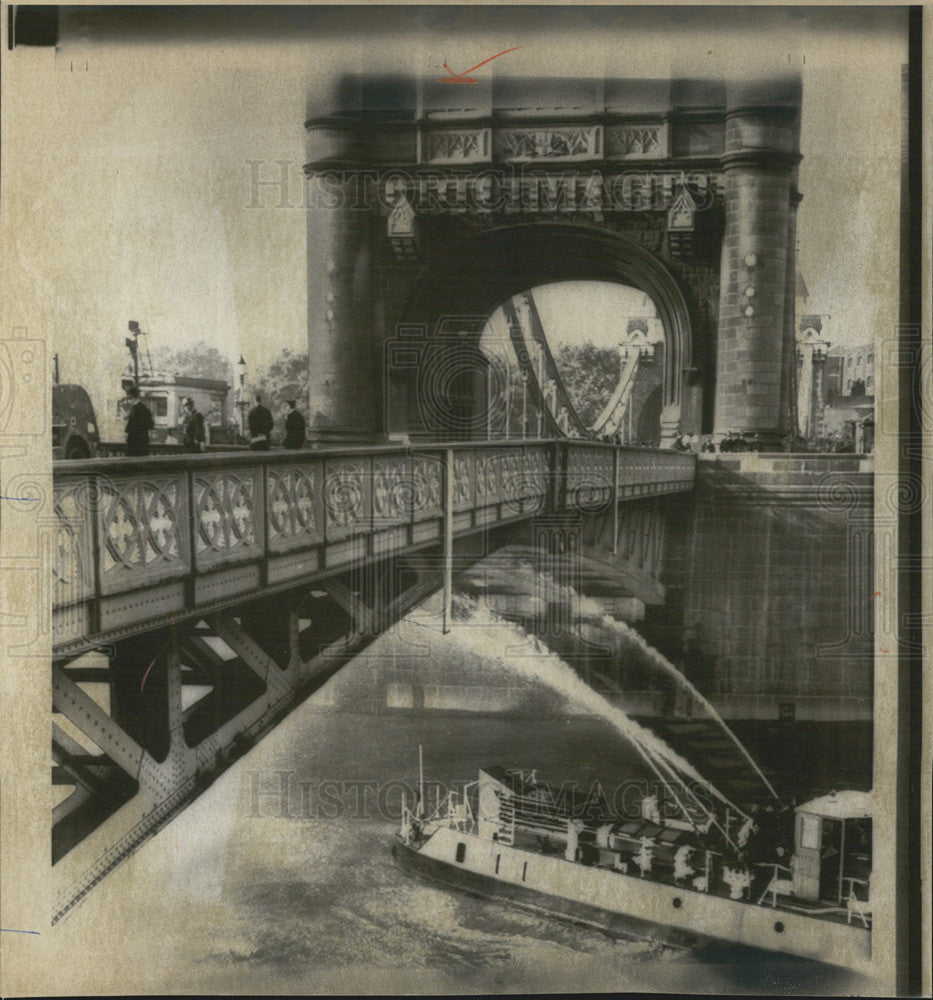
142, 683
462, 77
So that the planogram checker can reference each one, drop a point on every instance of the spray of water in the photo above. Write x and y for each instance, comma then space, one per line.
665, 665
510, 645
582, 607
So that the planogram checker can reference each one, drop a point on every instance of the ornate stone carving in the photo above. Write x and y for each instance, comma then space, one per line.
636, 142
462, 145
518, 145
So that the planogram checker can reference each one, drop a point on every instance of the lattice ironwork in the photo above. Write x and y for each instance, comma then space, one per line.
464, 479
141, 530
426, 484
344, 496
72, 570
392, 490
292, 495
589, 478
226, 515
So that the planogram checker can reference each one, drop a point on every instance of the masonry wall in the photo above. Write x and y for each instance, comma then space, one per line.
777, 608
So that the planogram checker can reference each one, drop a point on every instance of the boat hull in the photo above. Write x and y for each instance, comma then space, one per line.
629, 906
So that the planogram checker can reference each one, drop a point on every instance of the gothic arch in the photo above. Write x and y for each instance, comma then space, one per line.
477, 273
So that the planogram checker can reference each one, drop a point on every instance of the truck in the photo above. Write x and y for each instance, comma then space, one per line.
74, 423
164, 392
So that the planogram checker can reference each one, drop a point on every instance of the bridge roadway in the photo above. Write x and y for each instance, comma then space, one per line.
254, 577
144, 542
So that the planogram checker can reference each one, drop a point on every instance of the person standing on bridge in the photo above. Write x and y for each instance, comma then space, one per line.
260, 423
192, 426
139, 423
294, 427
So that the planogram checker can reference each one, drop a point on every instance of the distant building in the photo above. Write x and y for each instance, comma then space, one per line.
850, 371
836, 391
812, 350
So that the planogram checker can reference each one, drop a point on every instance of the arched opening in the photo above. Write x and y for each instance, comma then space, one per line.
604, 345
437, 376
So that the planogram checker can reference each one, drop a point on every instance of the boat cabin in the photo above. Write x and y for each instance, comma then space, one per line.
832, 848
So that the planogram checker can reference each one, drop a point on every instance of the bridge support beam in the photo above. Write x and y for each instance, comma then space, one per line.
139, 691
143, 758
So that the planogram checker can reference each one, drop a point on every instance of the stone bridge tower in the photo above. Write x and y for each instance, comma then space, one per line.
429, 206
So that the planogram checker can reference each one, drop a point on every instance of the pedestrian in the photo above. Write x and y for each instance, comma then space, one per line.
681, 443
193, 434
260, 425
294, 427
139, 423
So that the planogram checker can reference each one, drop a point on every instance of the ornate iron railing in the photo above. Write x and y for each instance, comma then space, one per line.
141, 540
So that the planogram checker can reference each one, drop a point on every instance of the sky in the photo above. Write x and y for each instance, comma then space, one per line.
130, 153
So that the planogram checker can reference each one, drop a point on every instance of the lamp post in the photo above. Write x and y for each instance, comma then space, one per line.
242, 401
524, 404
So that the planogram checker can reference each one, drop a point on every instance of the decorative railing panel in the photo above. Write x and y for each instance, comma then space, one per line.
229, 513
589, 477
294, 505
488, 480
427, 486
125, 527
73, 572
393, 493
347, 497
142, 531
464, 480
652, 471
535, 476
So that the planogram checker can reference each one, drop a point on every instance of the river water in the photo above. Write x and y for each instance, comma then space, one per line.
280, 878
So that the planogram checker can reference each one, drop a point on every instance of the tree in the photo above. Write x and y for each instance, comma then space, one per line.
201, 360
286, 378
590, 375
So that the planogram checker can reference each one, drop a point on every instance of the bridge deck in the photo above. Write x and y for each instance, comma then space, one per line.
143, 542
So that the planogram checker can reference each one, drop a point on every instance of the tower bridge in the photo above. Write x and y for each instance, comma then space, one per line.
250, 578
256, 576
